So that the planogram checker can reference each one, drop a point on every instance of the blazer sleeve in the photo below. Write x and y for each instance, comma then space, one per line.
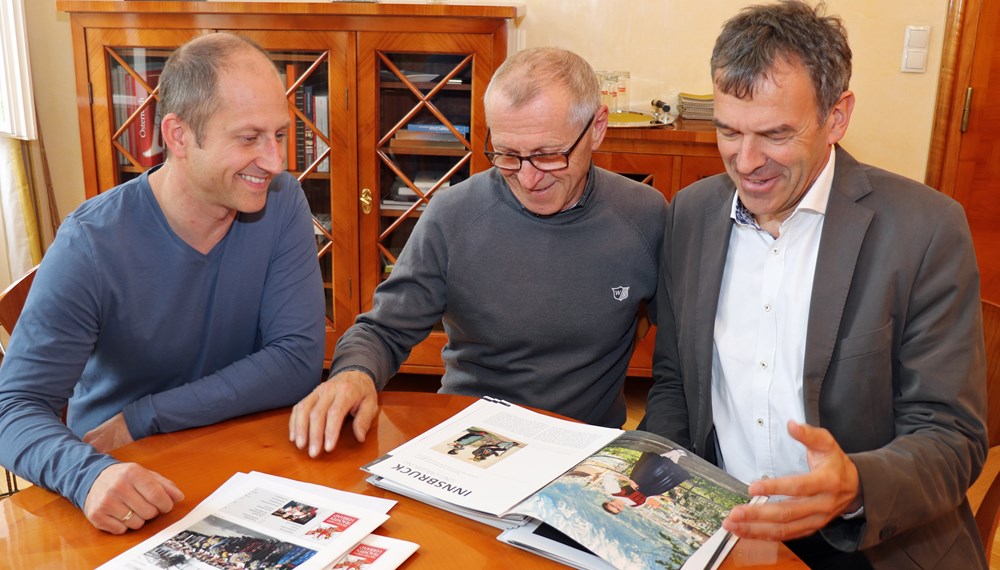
939, 398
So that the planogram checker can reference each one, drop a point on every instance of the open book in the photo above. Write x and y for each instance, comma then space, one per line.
587, 496
262, 521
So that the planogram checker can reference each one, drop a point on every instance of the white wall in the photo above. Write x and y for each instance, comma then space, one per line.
664, 43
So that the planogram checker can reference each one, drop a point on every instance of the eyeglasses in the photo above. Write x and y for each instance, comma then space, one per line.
545, 161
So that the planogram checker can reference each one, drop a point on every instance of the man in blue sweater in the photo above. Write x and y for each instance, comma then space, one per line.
537, 267
172, 301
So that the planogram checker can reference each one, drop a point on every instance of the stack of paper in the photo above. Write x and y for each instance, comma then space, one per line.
698, 107
262, 521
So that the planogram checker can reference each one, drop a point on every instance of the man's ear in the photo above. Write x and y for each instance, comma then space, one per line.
600, 127
840, 117
177, 135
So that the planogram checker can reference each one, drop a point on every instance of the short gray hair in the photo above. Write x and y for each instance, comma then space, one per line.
524, 75
189, 82
753, 41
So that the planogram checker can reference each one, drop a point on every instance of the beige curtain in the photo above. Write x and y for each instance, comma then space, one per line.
18, 209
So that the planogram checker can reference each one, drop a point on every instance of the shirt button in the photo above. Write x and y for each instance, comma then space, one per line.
763, 366
775, 250
767, 308
760, 422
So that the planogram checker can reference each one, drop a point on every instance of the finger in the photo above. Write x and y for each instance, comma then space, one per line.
295, 418
814, 438
159, 495
300, 419
333, 420
365, 416
774, 531
802, 485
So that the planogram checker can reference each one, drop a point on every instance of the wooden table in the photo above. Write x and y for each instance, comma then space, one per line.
39, 529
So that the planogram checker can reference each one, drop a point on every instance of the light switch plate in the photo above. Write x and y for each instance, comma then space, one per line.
915, 47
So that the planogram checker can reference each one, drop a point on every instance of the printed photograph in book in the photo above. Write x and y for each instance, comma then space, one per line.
217, 543
638, 503
479, 447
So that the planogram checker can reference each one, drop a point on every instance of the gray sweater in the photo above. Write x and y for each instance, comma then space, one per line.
540, 311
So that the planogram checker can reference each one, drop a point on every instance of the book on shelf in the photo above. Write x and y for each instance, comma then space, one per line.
321, 111
140, 137
397, 143
145, 131
586, 496
423, 180
404, 134
257, 517
436, 128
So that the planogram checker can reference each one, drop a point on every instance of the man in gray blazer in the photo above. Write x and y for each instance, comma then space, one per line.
819, 326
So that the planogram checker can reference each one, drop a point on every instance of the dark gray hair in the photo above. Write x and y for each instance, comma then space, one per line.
759, 36
188, 84
524, 75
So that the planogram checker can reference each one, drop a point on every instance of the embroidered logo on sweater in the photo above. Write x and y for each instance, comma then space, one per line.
620, 293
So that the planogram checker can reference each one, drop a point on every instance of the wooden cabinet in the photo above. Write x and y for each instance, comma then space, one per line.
365, 81
361, 79
668, 158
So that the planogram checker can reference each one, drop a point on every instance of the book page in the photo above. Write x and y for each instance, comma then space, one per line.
253, 523
490, 456
641, 502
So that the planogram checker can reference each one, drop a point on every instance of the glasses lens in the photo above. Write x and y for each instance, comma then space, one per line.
505, 161
549, 161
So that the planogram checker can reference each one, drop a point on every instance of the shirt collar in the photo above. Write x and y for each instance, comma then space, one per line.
815, 200
580, 204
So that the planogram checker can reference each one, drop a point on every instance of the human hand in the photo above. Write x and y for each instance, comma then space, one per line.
126, 495
110, 435
316, 420
830, 489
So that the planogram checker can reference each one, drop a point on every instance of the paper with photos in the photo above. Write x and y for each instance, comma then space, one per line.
490, 456
376, 553
250, 522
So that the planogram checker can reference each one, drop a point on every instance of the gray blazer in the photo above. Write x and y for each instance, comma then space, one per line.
894, 363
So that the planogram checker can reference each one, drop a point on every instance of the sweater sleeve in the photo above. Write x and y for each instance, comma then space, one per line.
405, 307
291, 339
46, 356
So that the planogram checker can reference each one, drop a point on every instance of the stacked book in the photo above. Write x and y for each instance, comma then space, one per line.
418, 137
698, 107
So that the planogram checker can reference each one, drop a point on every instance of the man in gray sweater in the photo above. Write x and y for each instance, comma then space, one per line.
537, 267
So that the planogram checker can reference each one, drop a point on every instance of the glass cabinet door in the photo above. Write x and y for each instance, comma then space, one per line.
315, 74
427, 134
126, 131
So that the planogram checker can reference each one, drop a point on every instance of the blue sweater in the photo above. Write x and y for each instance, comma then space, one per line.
539, 310
124, 316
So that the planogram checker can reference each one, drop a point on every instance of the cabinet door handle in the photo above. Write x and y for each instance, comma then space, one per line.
366, 201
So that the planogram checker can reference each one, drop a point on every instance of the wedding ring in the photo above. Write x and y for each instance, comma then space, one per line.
128, 516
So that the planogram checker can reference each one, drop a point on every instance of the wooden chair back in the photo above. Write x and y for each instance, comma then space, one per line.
987, 515
12, 300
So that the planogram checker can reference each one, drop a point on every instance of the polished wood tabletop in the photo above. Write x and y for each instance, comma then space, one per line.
39, 529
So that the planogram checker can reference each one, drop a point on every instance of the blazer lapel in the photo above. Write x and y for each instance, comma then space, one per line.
714, 242
844, 228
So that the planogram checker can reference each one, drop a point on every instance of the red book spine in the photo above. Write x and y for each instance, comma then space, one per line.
148, 142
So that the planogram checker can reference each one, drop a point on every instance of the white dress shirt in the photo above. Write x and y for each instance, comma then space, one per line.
760, 337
